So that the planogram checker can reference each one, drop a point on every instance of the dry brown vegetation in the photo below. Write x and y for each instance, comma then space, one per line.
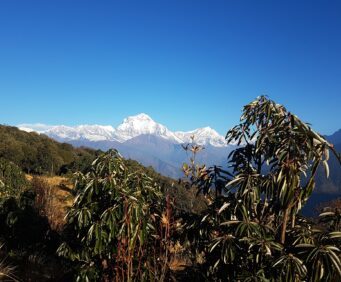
53, 197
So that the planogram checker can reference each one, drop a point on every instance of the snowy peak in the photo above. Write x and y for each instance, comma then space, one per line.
134, 126
203, 136
131, 127
70, 133
139, 117
87, 132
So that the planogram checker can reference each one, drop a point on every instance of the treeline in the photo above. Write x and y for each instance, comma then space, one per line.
39, 154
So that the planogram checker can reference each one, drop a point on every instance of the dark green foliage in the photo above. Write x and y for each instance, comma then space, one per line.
113, 224
252, 231
185, 198
21, 225
38, 154
12, 179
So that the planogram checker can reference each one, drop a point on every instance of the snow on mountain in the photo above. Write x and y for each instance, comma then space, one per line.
87, 132
202, 136
143, 124
27, 129
68, 133
133, 126
37, 127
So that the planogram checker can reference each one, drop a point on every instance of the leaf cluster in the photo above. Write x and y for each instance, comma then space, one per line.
114, 222
252, 230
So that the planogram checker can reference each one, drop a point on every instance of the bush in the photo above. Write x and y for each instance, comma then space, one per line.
253, 231
117, 229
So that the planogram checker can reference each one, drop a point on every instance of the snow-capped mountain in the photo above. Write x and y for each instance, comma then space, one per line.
141, 138
143, 124
82, 132
202, 136
133, 126
35, 127
68, 133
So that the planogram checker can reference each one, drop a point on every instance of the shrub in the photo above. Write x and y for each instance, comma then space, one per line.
117, 228
252, 231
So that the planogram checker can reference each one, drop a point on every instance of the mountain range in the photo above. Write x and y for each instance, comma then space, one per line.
153, 144
132, 127
140, 138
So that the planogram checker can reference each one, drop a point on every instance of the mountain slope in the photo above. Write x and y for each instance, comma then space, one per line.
163, 155
335, 138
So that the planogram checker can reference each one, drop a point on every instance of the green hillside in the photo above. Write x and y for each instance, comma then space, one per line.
39, 154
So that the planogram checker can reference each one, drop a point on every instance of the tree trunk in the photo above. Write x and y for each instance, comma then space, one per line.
284, 226
293, 221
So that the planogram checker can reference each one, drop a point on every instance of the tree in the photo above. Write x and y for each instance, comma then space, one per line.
253, 231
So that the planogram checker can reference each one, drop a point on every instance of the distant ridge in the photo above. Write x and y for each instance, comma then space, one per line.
335, 138
140, 138
131, 127
152, 144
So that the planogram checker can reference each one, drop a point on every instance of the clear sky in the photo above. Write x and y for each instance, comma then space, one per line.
186, 63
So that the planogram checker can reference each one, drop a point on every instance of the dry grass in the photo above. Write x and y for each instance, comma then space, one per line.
29, 177
178, 264
179, 259
6, 270
52, 199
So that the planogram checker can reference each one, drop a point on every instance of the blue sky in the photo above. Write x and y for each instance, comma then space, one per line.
186, 63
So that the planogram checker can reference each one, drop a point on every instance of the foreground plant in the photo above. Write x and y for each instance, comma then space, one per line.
117, 228
6, 270
252, 231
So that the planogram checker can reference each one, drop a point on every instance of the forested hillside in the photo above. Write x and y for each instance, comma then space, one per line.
39, 154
